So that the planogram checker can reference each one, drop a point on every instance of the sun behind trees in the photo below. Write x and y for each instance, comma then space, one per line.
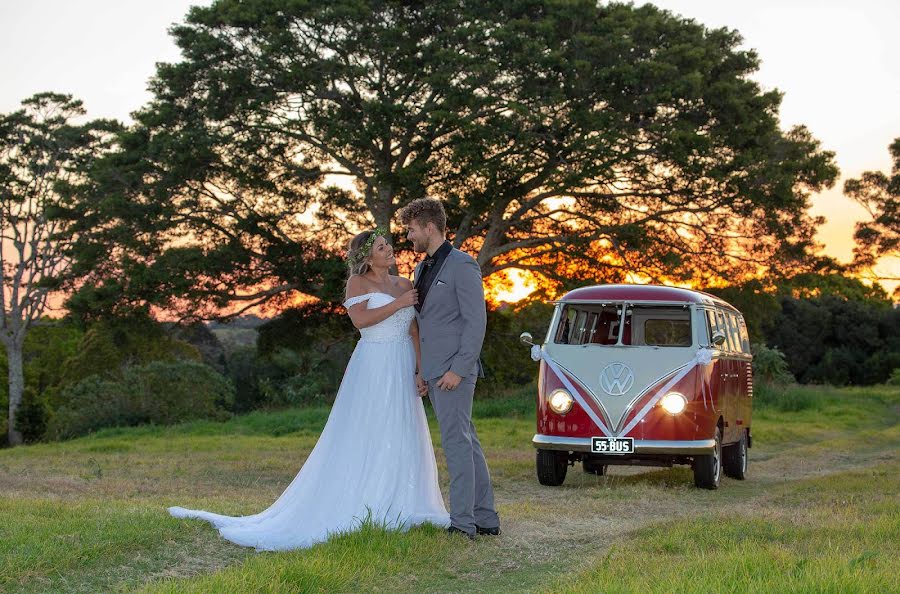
578, 142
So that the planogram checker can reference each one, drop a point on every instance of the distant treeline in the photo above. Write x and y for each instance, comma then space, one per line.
134, 370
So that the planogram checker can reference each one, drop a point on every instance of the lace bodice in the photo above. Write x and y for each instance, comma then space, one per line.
395, 327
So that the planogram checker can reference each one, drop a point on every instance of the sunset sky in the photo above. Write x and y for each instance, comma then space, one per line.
834, 61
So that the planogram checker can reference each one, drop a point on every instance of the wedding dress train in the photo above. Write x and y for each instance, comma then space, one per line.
373, 459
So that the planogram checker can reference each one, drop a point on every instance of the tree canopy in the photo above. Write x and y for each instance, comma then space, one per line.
44, 157
575, 140
879, 194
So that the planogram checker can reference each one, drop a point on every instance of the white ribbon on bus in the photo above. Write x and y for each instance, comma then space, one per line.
703, 357
537, 353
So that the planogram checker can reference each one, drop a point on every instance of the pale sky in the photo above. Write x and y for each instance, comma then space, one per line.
836, 64
834, 61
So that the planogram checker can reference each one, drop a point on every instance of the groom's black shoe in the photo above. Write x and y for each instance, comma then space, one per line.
487, 531
455, 530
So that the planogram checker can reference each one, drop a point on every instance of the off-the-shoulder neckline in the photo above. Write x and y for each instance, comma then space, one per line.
372, 293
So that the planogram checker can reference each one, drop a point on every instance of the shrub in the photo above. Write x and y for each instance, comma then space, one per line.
31, 418
302, 355
879, 367
162, 392
506, 360
894, 380
769, 365
773, 384
292, 378
47, 343
207, 343
837, 340
110, 346
242, 369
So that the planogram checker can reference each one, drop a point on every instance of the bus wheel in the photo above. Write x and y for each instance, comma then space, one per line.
551, 467
708, 469
735, 458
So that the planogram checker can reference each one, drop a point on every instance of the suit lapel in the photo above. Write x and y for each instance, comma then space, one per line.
435, 280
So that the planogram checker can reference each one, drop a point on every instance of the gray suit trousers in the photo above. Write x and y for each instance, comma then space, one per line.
471, 493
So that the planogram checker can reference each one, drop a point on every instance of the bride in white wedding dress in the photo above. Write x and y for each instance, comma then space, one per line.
374, 458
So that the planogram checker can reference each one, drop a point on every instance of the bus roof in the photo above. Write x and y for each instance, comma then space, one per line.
642, 293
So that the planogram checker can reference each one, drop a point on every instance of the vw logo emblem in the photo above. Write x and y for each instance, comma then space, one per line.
616, 379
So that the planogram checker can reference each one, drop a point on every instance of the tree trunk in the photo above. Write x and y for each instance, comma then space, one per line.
16, 389
382, 215
383, 210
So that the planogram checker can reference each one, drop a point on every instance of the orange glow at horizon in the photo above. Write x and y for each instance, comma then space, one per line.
640, 279
510, 286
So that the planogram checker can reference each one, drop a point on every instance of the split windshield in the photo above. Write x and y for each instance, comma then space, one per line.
643, 325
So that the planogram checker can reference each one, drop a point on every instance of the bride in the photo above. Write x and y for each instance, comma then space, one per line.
374, 459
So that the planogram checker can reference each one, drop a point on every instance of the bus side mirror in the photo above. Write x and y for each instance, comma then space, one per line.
718, 338
526, 338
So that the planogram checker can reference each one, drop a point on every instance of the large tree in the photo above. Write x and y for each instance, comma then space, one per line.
878, 237
574, 140
44, 155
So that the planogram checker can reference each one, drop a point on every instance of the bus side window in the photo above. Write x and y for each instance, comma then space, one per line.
745, 336
735, 333
723, 328
565, 326
590, 327
577, 336
710, 326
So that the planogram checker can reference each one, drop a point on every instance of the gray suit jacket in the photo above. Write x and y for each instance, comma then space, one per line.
453, 319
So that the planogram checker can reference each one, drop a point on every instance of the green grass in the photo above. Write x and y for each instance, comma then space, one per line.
817, 514
349, 563
831, 534
786, 398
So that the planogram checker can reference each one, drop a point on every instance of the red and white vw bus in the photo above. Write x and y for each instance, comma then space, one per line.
643, 375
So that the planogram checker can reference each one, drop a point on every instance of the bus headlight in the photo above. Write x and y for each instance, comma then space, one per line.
673, 403
560, 401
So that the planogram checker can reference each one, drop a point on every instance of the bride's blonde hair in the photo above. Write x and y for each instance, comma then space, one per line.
359, 250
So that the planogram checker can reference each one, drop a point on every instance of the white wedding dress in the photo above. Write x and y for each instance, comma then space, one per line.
373, 459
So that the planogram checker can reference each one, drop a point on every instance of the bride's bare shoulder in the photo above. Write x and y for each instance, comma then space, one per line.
357, 285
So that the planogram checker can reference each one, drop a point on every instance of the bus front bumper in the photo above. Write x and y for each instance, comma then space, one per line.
698, 447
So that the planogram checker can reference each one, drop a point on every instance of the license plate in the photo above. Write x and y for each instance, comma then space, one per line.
612, 445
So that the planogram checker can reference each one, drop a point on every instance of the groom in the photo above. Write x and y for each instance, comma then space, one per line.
451, 317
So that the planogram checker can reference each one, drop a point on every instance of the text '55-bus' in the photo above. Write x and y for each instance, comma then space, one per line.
643, 375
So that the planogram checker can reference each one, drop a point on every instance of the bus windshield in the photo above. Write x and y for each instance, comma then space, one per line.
642, 325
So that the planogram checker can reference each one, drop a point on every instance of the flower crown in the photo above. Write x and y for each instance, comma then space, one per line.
363, 251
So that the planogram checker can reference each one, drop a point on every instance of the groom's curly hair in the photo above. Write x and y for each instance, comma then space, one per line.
424, 211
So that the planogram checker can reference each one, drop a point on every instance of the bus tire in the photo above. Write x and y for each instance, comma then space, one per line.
708, 469
551, 467
734, 458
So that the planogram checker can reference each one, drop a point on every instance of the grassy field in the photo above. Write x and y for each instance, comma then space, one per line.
820, 512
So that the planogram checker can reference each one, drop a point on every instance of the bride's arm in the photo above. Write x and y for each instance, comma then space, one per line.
363, 317
414, 329
360, 315
414, 332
